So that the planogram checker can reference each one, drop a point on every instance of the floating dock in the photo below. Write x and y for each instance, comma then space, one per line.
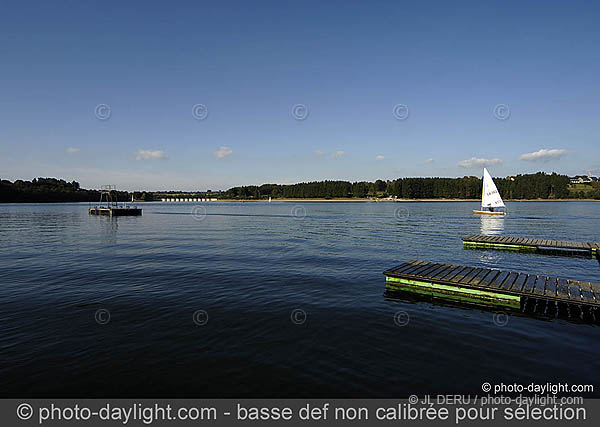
113, 211
495, 287
109, 205
528, 244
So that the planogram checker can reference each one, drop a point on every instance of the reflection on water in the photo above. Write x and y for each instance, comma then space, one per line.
491, 225
110, 226
296, 304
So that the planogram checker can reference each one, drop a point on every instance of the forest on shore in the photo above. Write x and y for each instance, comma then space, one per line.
529, 186
46, 190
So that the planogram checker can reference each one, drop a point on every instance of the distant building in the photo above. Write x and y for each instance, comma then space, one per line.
582, 179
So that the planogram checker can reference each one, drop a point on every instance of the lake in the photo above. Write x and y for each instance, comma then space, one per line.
274, 300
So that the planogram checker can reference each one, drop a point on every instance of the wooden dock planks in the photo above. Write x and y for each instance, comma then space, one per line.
454, 278
527, 243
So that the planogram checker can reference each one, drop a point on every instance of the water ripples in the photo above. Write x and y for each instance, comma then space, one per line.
249, 266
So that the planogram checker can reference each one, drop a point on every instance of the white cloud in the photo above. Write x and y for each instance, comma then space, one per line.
151, 155
380, 157
72, 150
334, 155
543, 155
429, 161
477, 162
223, 152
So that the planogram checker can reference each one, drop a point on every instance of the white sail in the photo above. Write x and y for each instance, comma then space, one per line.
490, 196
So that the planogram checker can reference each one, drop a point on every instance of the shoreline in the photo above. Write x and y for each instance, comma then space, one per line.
393, 201
317, 200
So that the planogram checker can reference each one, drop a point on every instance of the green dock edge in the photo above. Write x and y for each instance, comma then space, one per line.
453, 292
515, 247
511, 247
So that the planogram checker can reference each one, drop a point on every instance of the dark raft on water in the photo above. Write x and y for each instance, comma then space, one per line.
109, 205
521, 291
528, 244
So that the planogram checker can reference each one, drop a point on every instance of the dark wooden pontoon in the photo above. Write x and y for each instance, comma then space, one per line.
492, 286
109, 205
112, 211
529, 244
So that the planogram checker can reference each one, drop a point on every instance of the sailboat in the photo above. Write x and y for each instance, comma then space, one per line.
490, 198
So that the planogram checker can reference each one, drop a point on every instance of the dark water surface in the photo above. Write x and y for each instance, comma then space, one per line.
254, 268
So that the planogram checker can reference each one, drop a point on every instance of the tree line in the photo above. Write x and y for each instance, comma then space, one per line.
44, 190
529, 186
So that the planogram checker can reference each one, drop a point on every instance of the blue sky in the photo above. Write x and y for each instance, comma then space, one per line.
484, 83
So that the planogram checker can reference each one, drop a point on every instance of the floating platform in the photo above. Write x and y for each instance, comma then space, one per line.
110, 211
494, 287
528, 244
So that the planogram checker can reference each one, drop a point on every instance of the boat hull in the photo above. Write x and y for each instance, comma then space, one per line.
488, 213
